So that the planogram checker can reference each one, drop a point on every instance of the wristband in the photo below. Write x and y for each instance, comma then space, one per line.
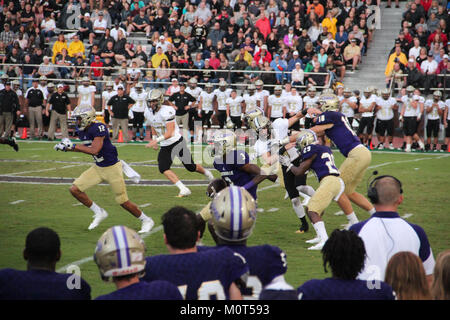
289, 167
161, 138
249, 185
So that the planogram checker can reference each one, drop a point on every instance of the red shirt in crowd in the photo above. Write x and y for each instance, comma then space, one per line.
263, 25
97, 72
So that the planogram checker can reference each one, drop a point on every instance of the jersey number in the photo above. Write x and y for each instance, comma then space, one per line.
208, 290
330, 163
347, 124
101, 128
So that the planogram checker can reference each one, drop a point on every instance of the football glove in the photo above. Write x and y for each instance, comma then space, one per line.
229, 124
60, 147
68, 144
285, 160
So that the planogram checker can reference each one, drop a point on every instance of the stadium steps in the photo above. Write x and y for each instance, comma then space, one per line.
371, 71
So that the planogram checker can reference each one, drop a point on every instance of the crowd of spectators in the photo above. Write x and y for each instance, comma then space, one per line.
422, 47
214, 36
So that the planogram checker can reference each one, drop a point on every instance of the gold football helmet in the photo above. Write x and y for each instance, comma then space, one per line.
155, 99
224, 141
259, 122
233, 214
329, 102
305, 138
120, 252
84, 116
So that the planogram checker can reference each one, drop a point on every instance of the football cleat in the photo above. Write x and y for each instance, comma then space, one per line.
304, 227
184, 193
318, 246
97, 219
391, 146
312, 241
147, 225
12, 142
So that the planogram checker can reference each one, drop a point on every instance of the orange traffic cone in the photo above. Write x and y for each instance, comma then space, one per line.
120, 136
24, 133
371, 145
448, 149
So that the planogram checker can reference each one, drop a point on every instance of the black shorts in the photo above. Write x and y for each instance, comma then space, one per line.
222, 118
206, 118
291, 181
138, 119
273, 119
433, 128
447, 131
366, 122
177, 149
409, 126
237, 122
193, 116
295, 126
384, 126
309, 122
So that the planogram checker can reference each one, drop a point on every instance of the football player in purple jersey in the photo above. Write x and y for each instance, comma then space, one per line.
120, 256
208, 275
233, 213
320, 159
234, 165
96, 142
40, 281
344, 253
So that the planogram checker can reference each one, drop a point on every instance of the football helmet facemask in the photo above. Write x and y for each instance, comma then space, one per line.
305, 138
120, 252
84, 116
224, 141
233, 214
329, 102
155, 100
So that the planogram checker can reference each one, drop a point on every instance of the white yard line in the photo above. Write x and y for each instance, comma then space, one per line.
404, 161
41, 170
17, 202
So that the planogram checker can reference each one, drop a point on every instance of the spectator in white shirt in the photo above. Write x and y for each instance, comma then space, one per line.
415, 51
48, 26
297, 75
115, 32
203, 12
100, 25
428, 68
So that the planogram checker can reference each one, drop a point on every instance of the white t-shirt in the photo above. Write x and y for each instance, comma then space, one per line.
386, 112
133, 72
251, 102
414, 52
309, 102
277, 104
434, 115
261, 147
260, 96
106, 95
194, 92
85, 95
141, 101
44, 90
365, 103
100, 24
222, 97
235, 106
421, 101
207, 99
346, 110
428, 66
294, 103
159, 121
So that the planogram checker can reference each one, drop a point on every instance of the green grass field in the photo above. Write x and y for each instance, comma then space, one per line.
425, 178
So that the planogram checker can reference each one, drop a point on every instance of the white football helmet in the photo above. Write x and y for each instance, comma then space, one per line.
233, 213
224, 141
120, 252
84, 116
155, 99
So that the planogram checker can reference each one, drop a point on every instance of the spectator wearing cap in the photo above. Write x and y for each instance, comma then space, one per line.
414, 77
290, 38
263, 55
293, 61
86, 30
46, 69
397, 56
443, 66
297, 76
48, 26
100, 25
428, 69
280, 67
163, 43
76, 48
352, 54
96, 73
253, 74
173, 88
318, 9
60, 104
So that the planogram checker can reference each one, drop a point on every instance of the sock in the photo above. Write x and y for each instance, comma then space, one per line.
298, 208
143, 217
408, 146
352, 218
307, 190
421, 144
209, 174
95, 208
321, 231
372, 211
180, 185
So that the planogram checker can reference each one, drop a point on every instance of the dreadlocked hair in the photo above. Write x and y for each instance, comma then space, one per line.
345, 253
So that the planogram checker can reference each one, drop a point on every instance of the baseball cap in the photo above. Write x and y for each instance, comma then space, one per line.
445, 56
411, 60
430, 54
174, 80
298, 63
97, 57
120, 87
353, 40
264, 47
60, 86
161, 37
100, 13
295, 53
87, 14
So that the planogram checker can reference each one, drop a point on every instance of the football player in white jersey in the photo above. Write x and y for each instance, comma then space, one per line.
164, 127
138, 109
409, 115
348, 104
446, 126
235, 110
251, 99
219, 102
194, 91
205, 105
366, 107
434, 109
294, 105
286, 90
417, 141
86, 93
310, 101
276, 104
263, 95
385, 118
106, 95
